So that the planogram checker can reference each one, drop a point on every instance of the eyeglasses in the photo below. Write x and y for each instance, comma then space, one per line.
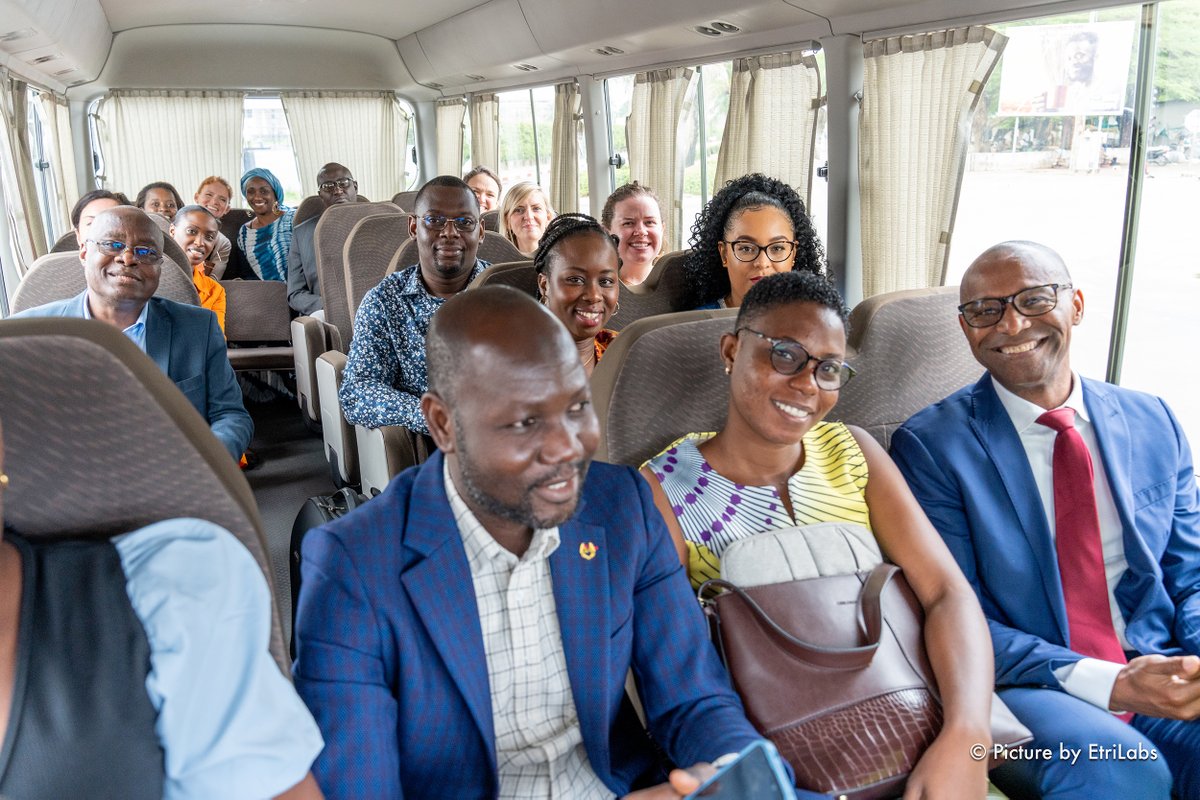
790, 358
340, 183
436, 222
748, 251
1032, 302
141, 254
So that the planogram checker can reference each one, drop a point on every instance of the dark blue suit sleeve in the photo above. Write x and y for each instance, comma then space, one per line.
1022, 659
1181, 560
340, 673
226, 414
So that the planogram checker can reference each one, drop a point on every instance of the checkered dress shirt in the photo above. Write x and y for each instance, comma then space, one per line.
539, 745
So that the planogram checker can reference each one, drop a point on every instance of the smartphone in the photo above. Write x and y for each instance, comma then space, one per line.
756, 774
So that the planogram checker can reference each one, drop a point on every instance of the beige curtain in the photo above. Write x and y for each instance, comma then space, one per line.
485, 130
62, 156
772, 122
918, 95
373, 148
450, 114
651, 132
564, 149
169, 135
16, 169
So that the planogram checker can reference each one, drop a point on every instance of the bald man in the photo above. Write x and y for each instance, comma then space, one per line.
122, 262
1071, 505
335, 185
468, 632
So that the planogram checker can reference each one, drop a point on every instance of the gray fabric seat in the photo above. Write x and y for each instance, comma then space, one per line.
76, 473
663, 292
257, 312
894, 380
660, 379
58, 276
309, 207
517, 274
406, 200
490, 220
369, 249
233, 220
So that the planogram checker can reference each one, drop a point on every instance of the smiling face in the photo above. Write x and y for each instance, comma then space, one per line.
196, 233
760, 226
446, 253
121, 279
260, 196
486, 192
637, 224
161, 202
1029, 356
215, 197
777, 408
580, 284
528, 221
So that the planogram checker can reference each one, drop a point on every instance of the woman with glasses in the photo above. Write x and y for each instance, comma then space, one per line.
524, 214
577, 274
777, 464
754, 227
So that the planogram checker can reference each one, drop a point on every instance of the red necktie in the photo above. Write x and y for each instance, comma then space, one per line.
1077, 539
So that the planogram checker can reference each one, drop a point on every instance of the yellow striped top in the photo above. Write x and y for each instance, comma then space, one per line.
714, 511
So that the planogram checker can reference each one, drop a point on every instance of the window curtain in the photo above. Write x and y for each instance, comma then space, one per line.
169, 135
564, 149
772, 122
651, 132
57, 114
16, 167
373, 148
485, 130
914, 127
450, 115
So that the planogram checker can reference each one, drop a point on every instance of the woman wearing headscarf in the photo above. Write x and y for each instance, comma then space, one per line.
263, 242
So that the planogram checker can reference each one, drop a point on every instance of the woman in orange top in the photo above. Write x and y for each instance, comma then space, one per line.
196, 229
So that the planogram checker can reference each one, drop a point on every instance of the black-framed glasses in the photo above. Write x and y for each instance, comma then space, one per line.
340, 183
1032, 302
789, 358
748, 251
141, 253
436, 222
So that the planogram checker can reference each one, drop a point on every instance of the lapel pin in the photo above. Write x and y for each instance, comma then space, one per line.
587, 550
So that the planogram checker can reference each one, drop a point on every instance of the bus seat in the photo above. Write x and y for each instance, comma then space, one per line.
341, 445
67, 243
490, 220
894, 380
369, 248
233, 220
660, 379
309, 207
406, 200
58, 276
76, 474
385, 452
256, 313
308, 342
668, 263
517, 274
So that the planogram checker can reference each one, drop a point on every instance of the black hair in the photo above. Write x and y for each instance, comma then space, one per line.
446, 181
191, 209
94, 194
785, 288
140, 202
706, 276
563, 227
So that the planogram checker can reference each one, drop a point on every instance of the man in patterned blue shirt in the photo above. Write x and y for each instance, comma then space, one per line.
385, 372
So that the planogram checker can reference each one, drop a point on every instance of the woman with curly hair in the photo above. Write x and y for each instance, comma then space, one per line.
754, 227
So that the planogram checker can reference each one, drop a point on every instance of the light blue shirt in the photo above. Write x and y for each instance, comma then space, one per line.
136, 332
229, 722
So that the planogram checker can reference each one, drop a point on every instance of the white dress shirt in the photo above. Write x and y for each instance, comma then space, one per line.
1089, 679
539, 744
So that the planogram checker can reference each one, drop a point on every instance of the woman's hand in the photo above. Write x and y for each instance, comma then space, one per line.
950, 769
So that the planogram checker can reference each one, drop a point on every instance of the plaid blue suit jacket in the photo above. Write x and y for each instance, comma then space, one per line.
390, 655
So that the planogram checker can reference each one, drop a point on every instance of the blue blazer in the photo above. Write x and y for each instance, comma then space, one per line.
965, 463
187, 344
390, 658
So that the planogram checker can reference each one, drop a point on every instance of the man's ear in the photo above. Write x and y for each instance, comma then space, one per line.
440, 421
1077, 307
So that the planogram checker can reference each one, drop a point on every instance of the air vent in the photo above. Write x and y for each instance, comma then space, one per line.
438, 86
725, 27
13, 36
608, 50
44, 59
476, 77
63, 72
525, 67
704, 30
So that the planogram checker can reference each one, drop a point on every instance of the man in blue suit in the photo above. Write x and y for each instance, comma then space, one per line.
467, 634
122, 261
985, 465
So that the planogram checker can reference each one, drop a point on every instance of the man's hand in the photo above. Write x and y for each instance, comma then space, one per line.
680, 783
1159, 686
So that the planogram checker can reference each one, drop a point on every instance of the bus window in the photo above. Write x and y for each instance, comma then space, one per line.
267, 142
526, 127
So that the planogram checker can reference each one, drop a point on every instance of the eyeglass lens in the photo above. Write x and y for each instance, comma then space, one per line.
437, 222
1032, 302
748, 251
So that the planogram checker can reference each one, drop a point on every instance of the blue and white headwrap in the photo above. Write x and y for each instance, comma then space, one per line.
269, 177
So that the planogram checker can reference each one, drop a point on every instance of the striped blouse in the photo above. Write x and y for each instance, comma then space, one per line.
714, 511
266, 248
